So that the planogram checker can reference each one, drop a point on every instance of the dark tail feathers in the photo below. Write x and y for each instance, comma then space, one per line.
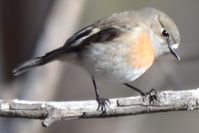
38, 61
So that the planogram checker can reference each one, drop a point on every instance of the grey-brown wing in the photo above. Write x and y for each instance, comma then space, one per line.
90, 35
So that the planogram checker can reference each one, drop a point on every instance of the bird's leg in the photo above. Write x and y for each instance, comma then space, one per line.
135, 89
102, 102
152, 93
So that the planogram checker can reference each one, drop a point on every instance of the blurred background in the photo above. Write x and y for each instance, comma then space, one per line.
31, 28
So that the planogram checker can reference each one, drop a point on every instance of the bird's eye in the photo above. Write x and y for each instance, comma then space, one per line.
165, 33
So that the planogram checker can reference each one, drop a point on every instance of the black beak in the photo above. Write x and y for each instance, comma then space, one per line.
174, 52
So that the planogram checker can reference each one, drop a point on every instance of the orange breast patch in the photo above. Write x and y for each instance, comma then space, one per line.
142, 53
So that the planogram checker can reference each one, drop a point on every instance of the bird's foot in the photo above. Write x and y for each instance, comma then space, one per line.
102, 103
152, 95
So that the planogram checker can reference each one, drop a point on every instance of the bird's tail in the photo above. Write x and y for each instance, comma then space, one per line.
38, 61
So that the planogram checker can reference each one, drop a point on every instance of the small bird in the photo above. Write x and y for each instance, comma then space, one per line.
118, 48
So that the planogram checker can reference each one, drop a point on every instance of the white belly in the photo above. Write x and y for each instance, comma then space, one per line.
109, 63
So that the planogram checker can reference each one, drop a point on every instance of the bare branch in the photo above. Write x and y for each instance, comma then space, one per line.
54, 111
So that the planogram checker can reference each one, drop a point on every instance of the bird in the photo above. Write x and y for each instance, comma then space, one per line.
117, 48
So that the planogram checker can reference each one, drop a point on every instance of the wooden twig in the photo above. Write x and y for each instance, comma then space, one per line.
54, 111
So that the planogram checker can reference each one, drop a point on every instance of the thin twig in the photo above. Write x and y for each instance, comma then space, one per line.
54, 111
